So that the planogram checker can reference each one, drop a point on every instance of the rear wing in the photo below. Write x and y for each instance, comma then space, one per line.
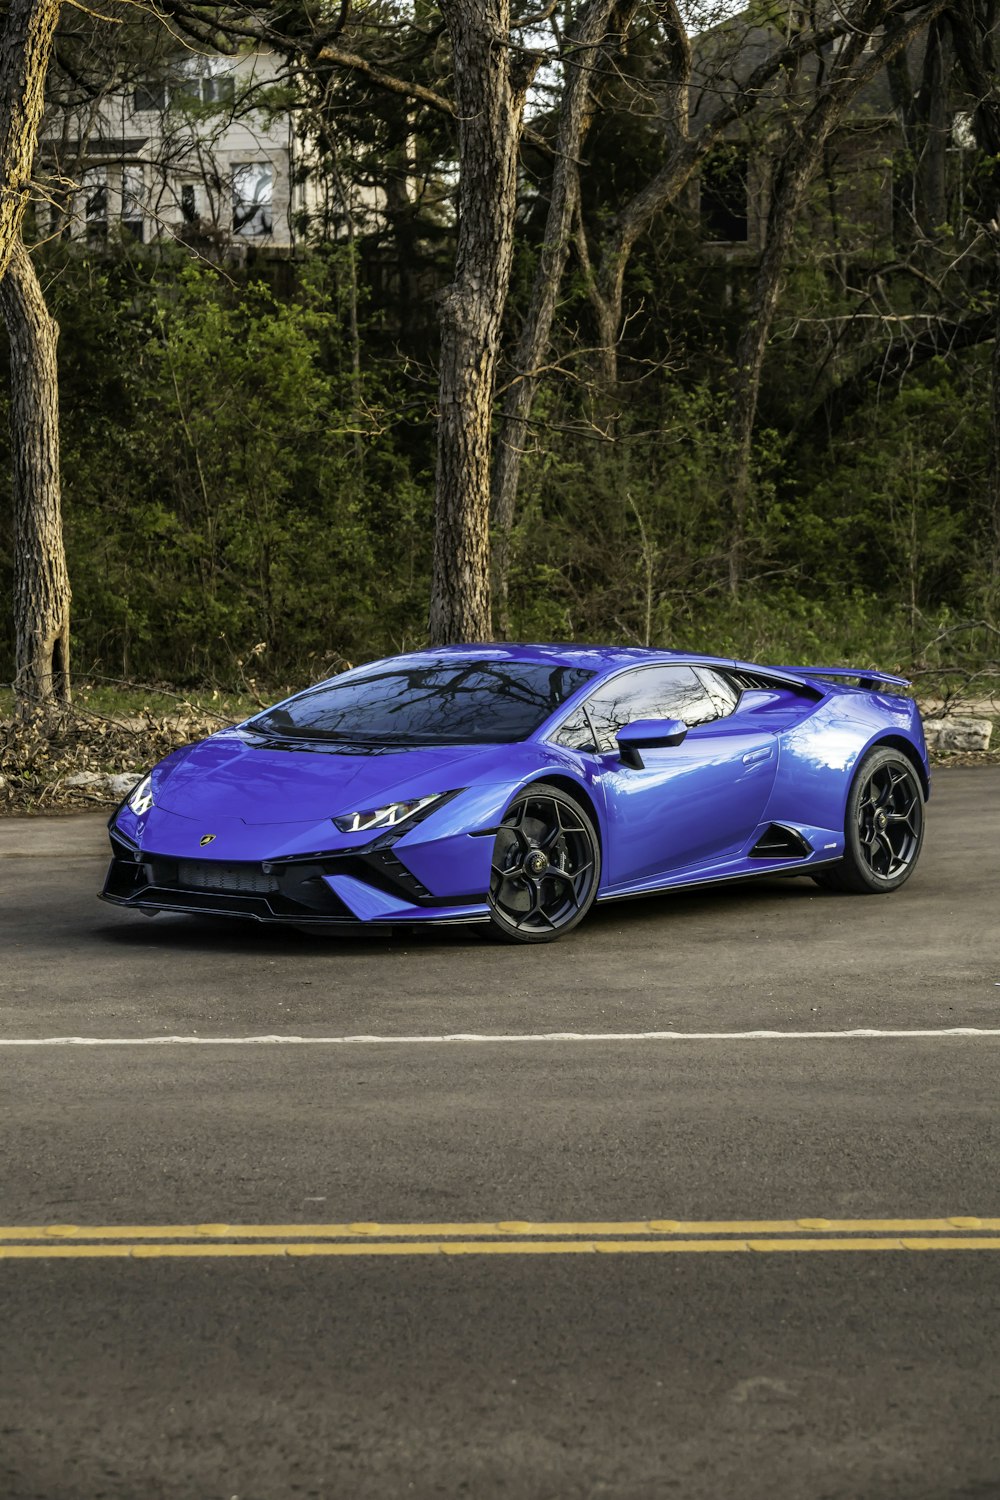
864, 678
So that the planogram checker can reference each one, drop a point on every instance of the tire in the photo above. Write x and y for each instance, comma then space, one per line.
883, 828
545, 869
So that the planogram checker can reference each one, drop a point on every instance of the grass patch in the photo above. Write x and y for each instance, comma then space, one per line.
130, 701
109, 727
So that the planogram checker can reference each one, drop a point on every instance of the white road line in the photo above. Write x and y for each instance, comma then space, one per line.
499, 1038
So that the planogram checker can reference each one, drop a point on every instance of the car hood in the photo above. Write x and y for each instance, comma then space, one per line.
233, 775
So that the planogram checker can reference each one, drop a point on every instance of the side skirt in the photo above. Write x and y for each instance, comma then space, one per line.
790, 868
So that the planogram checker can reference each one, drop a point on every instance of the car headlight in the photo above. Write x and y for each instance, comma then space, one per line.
388, 816
141, 800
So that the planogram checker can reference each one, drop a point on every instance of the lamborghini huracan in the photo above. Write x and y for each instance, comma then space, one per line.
514, 786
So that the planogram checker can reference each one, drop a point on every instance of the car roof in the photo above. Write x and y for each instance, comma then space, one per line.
603, 660
563, 654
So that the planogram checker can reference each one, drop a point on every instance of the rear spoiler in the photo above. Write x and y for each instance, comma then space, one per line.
865, 679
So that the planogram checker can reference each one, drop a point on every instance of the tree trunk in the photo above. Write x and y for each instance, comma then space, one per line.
581, 54
937, 107
924, 114
25, 49
606, 285
41, 583
792, 181
489, 107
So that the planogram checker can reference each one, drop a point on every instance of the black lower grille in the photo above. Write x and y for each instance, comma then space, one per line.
239, 888
283, 888
238, 879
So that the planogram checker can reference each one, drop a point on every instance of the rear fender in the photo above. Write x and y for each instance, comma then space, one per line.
819, 756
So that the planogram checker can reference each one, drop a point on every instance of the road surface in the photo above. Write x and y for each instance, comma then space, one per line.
612, 1243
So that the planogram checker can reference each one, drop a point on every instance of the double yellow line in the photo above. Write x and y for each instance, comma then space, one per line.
504, 1237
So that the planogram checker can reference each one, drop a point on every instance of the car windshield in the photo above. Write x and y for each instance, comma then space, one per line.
440, 703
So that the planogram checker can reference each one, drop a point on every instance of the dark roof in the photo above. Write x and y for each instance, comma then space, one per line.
108, 148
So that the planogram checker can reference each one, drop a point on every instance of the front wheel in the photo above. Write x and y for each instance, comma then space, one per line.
545, 869
884, 827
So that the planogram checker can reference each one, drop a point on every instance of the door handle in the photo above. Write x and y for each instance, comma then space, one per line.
753, 756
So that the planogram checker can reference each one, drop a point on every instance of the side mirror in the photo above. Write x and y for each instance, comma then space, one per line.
647, 734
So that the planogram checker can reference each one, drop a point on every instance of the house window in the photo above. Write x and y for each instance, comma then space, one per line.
253, 192
189, 203
204, 81
150, 96
133, 201
94, 189
218, 89
725, 196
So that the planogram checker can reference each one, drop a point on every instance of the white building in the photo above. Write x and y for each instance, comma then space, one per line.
205, 152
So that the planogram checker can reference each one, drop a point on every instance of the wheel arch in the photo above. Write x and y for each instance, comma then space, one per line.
572, 789
899, 742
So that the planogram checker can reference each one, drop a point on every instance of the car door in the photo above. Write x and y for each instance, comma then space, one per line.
691, 804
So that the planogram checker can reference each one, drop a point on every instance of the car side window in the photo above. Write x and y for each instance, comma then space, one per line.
723, 694
575, 732
649, 693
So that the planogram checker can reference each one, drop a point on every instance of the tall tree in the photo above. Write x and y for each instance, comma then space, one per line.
471, 62
492, 72
41, 583
25, 50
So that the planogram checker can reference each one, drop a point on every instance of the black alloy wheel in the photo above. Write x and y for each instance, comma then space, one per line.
884, 828
545, 869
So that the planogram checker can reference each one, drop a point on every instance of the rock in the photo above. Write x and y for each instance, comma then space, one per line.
119, 786
958, 734
86, 780
109, 786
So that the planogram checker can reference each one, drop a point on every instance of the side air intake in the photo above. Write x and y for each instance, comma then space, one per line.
779, 842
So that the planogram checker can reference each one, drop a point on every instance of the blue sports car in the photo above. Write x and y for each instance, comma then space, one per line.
517, 785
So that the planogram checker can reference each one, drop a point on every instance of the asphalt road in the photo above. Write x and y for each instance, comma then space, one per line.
472, 1347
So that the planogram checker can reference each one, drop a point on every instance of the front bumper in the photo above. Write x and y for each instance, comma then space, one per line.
366, 887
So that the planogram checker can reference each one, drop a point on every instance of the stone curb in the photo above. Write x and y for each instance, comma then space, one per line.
950, 734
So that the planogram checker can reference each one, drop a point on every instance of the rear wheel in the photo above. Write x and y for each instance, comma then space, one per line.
884, 828
545, 869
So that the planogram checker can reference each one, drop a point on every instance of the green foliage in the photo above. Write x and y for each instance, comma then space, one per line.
859, 551
614, 535
231, 491
901, 513
242, 506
